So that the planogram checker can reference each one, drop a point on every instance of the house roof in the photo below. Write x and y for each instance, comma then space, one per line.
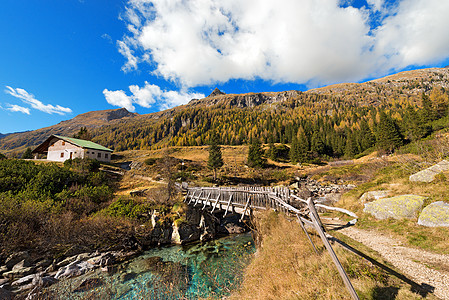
42, 148
83, 143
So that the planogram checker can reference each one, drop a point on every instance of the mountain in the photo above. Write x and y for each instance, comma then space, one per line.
407, 85
91, 120
271, 116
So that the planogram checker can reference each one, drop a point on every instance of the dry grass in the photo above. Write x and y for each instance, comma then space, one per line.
285, 267
393, 175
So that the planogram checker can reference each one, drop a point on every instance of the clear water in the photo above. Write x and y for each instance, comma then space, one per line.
212, 269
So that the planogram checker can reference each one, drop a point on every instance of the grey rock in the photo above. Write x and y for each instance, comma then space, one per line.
43, 264
19, 272
374, 195
74, 269
66, 261
399, 207
3, 281
24, 280
435, 215
15, 258
22, 264
428, 175
44, 281
3, 269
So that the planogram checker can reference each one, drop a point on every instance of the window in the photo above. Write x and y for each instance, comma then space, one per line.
62, 154
105, 155
63, 143
87, 152
99, 155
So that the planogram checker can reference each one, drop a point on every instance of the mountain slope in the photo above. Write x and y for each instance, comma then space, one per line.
238, 115
91, 120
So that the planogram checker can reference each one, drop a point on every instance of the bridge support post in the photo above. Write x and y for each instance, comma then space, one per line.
229, 203
246, 207
216, 202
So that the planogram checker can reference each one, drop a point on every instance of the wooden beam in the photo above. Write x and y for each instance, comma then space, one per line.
246, 206
198, 198
216, 202
229, 203
307, 234
205, 202
343, 275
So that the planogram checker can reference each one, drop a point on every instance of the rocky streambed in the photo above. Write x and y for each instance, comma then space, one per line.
25, 275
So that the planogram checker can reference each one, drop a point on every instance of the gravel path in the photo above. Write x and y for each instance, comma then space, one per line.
413, 263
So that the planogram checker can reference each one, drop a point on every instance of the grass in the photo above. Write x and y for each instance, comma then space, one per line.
392, 175
285, 267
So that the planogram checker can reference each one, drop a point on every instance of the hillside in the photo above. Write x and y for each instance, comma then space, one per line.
403, 86
91, 120
333, 113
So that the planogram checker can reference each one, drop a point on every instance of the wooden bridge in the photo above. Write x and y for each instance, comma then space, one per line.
247, 200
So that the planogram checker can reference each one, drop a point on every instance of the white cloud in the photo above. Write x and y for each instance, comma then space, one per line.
148, 96
17, 108
376, 4
119, 98
36, 104
415, 35
201, 42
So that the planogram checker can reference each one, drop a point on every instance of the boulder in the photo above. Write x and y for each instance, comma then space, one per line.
66, 261
429, 174
15, 258
3, 269
399, 207
24, 280
44, 281
435, 215
19, 272
373, 195
74, 269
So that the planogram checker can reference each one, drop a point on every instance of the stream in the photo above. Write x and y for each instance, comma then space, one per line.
210, 269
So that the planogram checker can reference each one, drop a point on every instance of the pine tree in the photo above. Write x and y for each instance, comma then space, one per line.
427, 112
215, 160
366, 137
83, 134
255, 159
388, 134
414, 125
27, 154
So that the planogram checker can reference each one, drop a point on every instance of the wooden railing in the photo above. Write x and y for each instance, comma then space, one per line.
246, 200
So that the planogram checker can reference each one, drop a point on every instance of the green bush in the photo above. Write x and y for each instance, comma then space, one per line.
126, 207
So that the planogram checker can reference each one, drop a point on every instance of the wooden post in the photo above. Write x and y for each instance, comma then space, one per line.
198, 198
205, 201
307, 234
216, 202
319, 227
229, 203
191, 198
246, 206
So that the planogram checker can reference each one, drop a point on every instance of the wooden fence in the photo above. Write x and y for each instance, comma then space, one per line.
246, 200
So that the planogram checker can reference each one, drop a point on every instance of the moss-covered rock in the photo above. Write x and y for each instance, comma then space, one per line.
435, 215
399, 207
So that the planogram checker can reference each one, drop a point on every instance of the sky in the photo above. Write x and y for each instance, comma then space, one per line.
61, 58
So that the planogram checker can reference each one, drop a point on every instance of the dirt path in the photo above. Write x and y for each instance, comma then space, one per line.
419, 265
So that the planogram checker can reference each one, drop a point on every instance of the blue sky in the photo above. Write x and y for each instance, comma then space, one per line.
62, 58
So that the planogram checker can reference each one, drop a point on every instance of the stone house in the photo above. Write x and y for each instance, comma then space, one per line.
61, 148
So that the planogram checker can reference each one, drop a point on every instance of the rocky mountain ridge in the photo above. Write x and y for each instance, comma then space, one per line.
404, 86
